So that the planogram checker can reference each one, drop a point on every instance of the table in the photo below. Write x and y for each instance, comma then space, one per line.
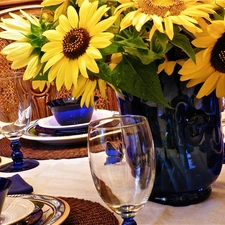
72, 178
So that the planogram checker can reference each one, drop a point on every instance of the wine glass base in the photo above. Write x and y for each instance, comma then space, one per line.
129, 221
27, 165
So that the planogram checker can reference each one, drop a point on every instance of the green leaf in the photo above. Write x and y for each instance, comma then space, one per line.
146, 56
183, 42
133, 42
113, 48
137, 79
104, 72
35, 30
159, 42
163, 40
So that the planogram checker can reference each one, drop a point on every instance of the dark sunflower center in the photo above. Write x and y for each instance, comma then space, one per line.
217, 59
161, 7
176, 53
75, 43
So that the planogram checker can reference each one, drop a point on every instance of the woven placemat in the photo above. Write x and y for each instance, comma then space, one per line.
85, 212
39, 151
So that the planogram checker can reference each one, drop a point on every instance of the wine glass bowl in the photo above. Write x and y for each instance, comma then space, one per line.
122, 163
15, 115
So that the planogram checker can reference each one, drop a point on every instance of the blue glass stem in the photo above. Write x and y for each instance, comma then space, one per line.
17, 155
129, 221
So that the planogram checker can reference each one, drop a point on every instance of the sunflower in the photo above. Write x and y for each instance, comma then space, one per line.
86, 88
210, 62
21, 51
40, 84
115, 59
169, 66
173, 57
61, 9
164, 14
215, 3
74, 45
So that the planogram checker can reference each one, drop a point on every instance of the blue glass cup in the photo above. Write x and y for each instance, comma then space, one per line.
67, 111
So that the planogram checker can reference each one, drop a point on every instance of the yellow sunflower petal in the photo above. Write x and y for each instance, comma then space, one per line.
72, 17
51, 2
40, 84
94, 52
102, 25
31, 19
101, 40
220, 90
194, 82
95, 17
90, 63
209, 84
170, 67
139, 20
60, 70
82, 67
17, 24
52, 74
217, 26
53, 35
203, 42
86, 10
13, 35
102, 87
60, 11
151, 33
75, 72
33, 68
52, 48
64, 23
51, 61
169, 28
18, 48
158, 23
127, 20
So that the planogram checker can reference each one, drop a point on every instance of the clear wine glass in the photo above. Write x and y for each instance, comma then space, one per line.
15, 115
122, 163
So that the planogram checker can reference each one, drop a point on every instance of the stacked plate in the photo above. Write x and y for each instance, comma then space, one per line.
28, 209
48, 131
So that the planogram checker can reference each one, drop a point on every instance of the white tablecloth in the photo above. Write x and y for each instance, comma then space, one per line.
71, 178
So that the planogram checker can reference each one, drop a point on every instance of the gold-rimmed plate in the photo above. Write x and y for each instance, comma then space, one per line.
55, 210
32, 134
15, 210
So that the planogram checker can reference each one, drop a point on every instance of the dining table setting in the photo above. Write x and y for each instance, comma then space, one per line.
152, 153
62, 185
51, 147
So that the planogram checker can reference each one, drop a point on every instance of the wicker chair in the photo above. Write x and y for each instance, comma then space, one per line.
5, 4
40, 98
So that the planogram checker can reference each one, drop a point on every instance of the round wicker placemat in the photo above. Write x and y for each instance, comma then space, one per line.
39, 151
85, 212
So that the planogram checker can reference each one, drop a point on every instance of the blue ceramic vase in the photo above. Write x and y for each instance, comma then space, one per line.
188, 141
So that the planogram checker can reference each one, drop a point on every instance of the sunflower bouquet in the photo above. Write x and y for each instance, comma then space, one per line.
85, 45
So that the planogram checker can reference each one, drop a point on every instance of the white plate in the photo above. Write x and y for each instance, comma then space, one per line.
15, 209
54, 140
56, 210
30, 134
50, 122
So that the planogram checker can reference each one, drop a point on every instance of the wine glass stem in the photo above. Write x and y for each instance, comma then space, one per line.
17, 155
129, 221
